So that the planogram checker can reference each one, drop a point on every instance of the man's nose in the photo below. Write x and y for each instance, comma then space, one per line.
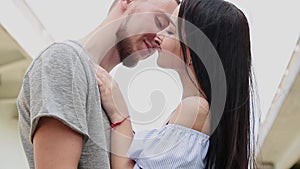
158, 40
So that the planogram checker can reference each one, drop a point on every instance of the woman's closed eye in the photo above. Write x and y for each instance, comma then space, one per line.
170, 32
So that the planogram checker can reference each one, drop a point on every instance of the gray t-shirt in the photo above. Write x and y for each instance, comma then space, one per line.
60, 83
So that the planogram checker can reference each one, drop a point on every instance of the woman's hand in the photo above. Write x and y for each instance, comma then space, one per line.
116, 109
111, 97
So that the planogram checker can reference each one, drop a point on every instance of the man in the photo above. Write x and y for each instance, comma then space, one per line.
61, 121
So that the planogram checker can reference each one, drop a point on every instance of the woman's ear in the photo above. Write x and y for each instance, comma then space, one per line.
125, 4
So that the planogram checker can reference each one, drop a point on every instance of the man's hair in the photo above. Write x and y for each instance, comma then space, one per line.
115, 3
178, 1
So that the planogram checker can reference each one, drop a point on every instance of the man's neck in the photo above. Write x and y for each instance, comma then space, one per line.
110, 60
100, 43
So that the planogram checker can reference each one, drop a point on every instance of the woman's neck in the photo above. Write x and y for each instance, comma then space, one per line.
189, 82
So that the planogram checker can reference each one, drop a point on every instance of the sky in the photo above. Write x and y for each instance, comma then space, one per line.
274, 33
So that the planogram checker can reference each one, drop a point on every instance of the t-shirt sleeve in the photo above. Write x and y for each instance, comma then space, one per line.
58, 88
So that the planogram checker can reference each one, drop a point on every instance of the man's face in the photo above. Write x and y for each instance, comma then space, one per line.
136, 37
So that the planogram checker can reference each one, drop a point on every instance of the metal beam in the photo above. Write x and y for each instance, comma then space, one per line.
14, 65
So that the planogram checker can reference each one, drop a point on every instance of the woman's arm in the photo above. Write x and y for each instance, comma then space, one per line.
117, 111
121, 138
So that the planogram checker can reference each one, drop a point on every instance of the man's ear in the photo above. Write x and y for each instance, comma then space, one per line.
125, 4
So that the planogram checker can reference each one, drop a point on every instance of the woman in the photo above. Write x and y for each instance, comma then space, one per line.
189, 139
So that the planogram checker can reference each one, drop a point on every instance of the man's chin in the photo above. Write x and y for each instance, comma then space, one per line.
134, 58
130, 61
129, 64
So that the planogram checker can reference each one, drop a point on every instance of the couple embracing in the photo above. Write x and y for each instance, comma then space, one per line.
73, 115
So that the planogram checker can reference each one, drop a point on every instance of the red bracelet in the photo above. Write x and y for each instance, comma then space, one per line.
113, 125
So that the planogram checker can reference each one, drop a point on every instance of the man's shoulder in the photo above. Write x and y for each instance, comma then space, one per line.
59, 49
59, 55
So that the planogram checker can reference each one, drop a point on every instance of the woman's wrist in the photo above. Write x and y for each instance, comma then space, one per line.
114, 125
117, 117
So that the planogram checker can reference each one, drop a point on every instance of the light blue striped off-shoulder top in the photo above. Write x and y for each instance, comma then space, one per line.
171, 147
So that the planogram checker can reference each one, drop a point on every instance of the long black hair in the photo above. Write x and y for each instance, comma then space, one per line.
228, 31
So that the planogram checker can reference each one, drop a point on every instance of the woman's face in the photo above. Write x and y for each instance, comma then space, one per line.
170, 55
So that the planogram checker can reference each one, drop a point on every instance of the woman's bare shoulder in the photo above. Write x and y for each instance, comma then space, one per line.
192, 112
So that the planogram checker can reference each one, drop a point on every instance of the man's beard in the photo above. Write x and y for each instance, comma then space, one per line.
125, 48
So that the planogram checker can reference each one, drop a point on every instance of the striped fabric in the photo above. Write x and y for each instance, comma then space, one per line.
172, 147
